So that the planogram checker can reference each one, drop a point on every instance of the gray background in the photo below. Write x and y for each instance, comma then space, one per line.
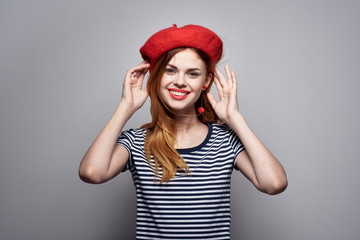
62, 64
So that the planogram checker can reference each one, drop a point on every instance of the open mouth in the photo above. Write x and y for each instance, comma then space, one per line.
178, 94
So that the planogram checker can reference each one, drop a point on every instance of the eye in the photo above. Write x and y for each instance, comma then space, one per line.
170, 70
194, 74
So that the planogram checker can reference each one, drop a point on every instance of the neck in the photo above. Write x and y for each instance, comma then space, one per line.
186, 123
190, 132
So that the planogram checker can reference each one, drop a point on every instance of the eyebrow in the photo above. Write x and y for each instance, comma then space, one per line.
189, 69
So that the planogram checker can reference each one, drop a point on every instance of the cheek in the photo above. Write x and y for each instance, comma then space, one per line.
199, 84
163, 86
166, 80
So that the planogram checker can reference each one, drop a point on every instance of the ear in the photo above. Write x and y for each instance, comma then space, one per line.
208, 79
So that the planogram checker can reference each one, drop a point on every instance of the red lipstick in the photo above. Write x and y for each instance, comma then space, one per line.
178, 94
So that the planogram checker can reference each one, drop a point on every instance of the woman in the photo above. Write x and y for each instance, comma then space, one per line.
182, 161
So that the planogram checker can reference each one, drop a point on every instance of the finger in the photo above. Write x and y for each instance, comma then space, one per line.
145, 66
211, 98
234, 80
139, 70
145, 62
140, 73
142, 77
218, 87
228, 75
141, 66
132, 73
220, 77
135, 76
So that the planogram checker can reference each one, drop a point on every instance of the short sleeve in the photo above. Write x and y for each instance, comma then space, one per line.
235, 144
126, 139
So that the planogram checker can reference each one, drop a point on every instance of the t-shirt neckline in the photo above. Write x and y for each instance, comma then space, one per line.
192, 149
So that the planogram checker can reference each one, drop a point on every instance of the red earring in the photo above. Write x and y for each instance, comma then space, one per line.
201, 110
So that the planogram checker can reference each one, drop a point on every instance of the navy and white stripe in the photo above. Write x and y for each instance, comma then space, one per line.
190, 206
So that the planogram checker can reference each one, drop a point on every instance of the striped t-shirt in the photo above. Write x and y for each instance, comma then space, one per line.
189, 206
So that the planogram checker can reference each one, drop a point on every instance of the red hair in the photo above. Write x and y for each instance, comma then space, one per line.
161, 131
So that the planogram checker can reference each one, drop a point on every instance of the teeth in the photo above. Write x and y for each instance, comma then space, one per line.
178, 93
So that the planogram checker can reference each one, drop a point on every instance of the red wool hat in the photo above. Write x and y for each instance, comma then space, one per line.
187, 36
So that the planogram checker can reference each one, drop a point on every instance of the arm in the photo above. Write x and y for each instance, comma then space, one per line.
105, 159
257, 163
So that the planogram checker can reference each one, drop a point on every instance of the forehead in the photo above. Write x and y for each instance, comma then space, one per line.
187, 59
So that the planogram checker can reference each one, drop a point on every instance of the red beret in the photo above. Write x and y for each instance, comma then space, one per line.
187, 36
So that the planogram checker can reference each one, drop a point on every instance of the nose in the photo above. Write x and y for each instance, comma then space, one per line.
180, 80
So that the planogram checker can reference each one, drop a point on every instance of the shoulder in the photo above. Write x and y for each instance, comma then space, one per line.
221, 129
135, 132
132, 135
225, 132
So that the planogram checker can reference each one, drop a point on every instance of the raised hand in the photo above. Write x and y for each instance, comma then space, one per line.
133, 95
227, 106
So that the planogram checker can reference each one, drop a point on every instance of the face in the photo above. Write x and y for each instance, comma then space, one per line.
183, 81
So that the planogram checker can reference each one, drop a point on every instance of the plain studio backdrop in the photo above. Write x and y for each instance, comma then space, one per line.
62, 64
